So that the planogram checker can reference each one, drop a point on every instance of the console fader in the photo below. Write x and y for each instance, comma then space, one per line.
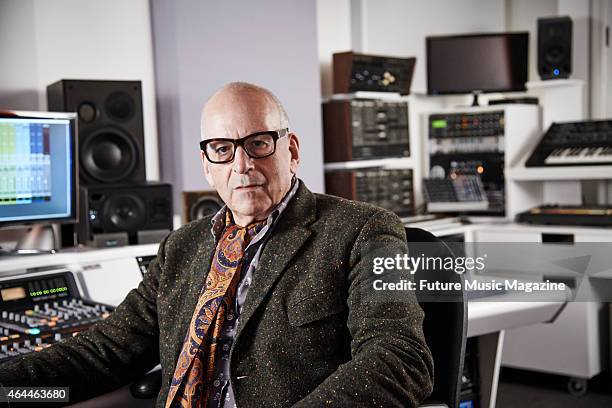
38, 311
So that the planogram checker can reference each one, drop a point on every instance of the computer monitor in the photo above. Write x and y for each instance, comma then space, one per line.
38, 168
474, 63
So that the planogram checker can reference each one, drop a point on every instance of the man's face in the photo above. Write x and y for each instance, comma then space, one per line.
249, 187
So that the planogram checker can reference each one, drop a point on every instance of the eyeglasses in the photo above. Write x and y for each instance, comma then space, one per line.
257, 146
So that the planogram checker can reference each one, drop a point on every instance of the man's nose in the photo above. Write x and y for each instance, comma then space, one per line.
242, 162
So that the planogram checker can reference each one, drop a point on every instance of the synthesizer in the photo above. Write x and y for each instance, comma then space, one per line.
591, 216
574, 144
38, 311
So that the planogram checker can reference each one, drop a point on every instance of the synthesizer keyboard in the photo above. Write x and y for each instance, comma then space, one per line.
574, 144
38, 311
593, 216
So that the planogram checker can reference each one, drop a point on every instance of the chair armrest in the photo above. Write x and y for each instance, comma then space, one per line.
433, 404
147, 386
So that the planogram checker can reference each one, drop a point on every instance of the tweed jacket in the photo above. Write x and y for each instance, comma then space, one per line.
306, 337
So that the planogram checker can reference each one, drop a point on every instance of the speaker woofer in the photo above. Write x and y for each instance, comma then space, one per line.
555, 54
203, 207
199, 204
119, 106
108, 155
125, 212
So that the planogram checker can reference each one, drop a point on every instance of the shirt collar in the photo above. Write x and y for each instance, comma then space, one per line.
218, 220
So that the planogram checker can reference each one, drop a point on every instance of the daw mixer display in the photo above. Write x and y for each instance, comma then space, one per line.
365, 129
470, 144
574, 144
36, 312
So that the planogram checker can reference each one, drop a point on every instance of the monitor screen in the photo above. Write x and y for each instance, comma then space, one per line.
496, 62
38, 167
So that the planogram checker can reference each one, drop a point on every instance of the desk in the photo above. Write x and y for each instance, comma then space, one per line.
487, 321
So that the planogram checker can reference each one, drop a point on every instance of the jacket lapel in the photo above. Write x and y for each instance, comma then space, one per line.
194, 280
287, 238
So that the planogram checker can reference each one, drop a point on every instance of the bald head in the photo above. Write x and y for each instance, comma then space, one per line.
250, 186
242, 99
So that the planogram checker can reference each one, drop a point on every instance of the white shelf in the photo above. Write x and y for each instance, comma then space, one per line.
385, 96
559, 173
554, 83
397, 163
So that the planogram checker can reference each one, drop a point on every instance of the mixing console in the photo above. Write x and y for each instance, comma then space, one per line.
38, 311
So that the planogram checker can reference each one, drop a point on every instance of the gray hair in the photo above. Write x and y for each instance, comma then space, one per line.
239, 86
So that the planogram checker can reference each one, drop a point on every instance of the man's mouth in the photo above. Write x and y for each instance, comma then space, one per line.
248, 187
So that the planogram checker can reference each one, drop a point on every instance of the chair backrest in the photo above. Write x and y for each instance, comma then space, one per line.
445, 324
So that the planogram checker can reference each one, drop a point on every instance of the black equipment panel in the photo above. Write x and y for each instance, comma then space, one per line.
143, 263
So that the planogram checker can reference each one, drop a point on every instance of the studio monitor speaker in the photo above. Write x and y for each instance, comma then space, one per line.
124, 214
199, 204
110, 125
554, 47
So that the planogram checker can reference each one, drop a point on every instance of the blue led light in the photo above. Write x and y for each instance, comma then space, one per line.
556, 71
33, 331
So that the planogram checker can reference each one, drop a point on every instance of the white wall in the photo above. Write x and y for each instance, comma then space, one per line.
601, 70
42, 41
18, 82
201, 45
334, 35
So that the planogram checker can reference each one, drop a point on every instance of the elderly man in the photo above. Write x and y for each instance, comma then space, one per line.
264, 304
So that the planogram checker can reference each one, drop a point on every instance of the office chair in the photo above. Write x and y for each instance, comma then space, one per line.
445, 323
445, 328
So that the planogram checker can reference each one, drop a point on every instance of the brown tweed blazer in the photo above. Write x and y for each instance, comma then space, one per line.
306, 335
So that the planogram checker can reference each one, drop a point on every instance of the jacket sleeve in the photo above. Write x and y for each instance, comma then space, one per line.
110, 354
391, 365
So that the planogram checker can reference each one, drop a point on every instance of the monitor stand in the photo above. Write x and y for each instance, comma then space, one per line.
475, 95
40, 239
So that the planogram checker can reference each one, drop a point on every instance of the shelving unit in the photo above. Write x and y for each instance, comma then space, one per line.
363, 165
390, 163
559, 173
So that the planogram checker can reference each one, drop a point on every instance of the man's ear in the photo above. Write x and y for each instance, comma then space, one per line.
206, 165
294, 149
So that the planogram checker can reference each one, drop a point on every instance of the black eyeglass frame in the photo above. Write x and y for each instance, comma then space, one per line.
276, 134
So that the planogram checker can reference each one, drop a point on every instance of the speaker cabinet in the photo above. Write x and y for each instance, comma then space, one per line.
124, 214
554, 47
111, 136
199, 204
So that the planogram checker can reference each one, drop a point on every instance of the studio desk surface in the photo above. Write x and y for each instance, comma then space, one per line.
107, 275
